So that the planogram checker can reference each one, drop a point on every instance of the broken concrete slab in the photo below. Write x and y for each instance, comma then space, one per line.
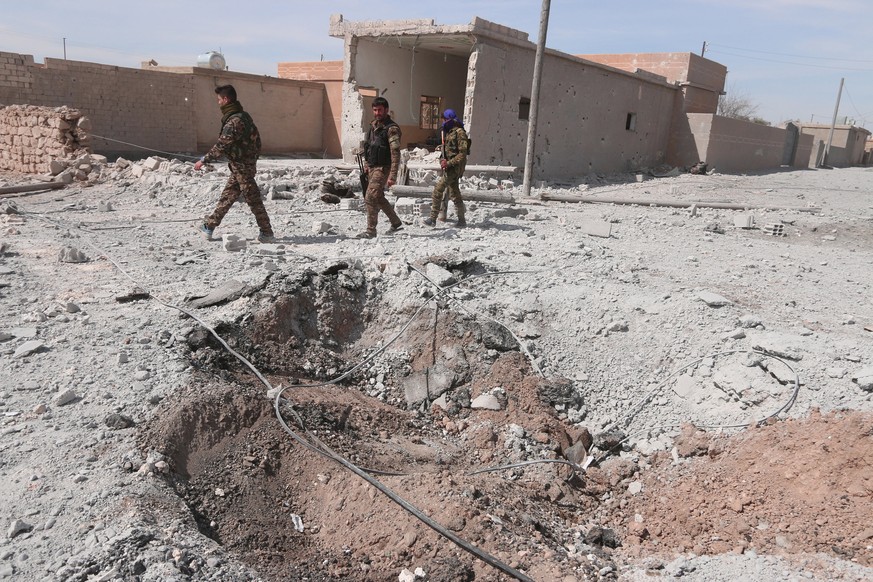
864, 379
438, 275
713, 299
27, 348
228, 291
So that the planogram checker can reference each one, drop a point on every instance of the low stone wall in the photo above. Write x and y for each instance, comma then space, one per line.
33, 137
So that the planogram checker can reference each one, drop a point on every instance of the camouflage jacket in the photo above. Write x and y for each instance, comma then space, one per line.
457, 147
387, 133
239, 140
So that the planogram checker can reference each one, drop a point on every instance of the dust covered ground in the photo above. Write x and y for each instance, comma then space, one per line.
684, 398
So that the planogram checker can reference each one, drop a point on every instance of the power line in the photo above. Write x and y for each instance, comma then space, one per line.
791, 62
790, 55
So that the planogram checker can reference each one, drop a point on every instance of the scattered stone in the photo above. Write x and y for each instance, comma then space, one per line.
18, 527
864, 379
136, 294
28, 347
487, 402
72, 255
233, 243
438, 275
228, 291
105, 206
118, 421
65, 398
319, 227
712, 299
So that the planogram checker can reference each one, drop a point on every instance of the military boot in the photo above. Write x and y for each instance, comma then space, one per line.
460, 210
430, 220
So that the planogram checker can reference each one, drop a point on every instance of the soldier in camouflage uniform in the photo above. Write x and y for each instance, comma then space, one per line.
240, 143
382, 160
456, 146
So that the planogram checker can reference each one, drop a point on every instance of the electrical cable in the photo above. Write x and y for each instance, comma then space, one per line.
174, 154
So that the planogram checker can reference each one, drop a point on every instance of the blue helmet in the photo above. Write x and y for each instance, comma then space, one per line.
449, 114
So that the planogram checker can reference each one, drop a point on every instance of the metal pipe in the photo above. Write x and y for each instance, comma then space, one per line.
427, 191
673, 203
32, 187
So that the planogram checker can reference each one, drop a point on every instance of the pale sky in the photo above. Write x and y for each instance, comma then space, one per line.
786, 56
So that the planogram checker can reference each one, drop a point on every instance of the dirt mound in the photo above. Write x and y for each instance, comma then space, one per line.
794, 487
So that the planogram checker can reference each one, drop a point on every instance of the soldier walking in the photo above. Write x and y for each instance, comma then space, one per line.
456, 146
382, 160
240, 143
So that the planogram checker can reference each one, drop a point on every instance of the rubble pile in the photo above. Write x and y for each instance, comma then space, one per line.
37, 140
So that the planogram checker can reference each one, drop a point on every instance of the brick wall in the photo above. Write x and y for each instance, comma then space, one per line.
135, 106
330, 75
32, 136
139, 112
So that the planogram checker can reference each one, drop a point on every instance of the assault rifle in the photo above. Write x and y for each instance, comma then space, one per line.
444, 203
365, 181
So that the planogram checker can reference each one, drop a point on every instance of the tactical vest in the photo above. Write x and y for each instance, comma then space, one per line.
377, 150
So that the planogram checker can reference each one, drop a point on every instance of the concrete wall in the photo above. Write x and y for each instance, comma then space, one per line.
730, 145
847, 144
288, 113
582, 116
168, 110
330, 75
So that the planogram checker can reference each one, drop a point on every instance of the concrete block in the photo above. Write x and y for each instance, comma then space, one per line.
774, 229
151, 163
596, 228
744, 221
405, 206
232, 243
351, 204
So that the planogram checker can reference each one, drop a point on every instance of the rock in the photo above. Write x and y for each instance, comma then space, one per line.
864, 379
65, 398
18, 527
27, 348
319, 227
487, 402
497, 337
233, 243
72, 255
438, 275
118, 421
712, 299
558, 390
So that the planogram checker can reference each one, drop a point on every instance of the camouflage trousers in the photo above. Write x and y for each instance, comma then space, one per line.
241, 181
450, 180
375, 200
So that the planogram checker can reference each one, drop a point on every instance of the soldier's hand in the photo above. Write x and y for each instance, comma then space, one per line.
443, 164
198, 164
390, 182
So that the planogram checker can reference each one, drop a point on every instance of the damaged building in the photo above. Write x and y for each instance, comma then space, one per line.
598, 113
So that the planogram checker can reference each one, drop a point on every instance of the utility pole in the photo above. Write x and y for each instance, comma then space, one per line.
535, 99
65, 48
827, 151
703, 50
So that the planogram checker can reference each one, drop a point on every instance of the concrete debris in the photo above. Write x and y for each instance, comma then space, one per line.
28, 347
713, 299
864, 379
486, 402
72, 255
438, 275
233, 243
